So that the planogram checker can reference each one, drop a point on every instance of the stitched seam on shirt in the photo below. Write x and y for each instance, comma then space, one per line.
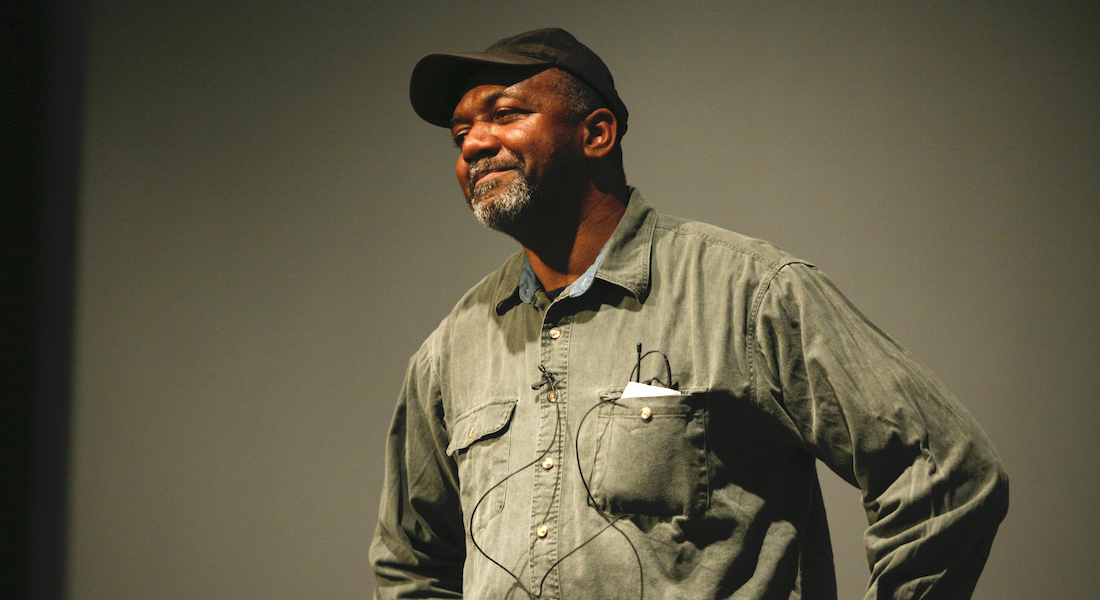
751, 341
676, 230
435, 359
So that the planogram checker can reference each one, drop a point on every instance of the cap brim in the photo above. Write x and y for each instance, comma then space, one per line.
439, 80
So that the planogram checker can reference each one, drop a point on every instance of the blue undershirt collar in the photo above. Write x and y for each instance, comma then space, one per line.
529, 283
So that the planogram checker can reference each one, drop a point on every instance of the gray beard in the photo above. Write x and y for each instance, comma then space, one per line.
507, 212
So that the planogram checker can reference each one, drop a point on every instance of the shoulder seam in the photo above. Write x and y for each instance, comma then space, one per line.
751, 341
774, 264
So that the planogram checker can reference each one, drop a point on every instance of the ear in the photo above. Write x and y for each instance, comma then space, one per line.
601, 131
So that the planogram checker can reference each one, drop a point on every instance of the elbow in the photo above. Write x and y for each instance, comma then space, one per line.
989, 492
999, 494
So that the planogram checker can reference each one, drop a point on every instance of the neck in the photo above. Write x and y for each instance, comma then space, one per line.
561, 252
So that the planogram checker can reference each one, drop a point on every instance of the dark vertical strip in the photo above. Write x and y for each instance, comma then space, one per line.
42, 53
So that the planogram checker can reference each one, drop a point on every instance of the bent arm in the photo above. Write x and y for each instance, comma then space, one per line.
418, 548
933, 487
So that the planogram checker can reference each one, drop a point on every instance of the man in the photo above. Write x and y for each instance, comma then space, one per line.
633, 405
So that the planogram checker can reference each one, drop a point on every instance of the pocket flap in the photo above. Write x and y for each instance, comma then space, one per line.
480, 422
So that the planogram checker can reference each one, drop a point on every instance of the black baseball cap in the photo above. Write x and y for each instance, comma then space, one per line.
439, 80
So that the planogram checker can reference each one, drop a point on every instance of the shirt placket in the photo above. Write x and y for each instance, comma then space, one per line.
546, 505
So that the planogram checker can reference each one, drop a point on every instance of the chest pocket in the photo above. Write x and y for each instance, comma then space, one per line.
479, 445
651, 455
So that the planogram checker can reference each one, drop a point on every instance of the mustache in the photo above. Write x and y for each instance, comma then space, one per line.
488, 165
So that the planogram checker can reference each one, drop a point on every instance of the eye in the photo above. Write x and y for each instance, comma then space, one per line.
459, 138
506, 113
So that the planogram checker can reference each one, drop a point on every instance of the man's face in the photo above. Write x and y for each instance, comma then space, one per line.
518, 148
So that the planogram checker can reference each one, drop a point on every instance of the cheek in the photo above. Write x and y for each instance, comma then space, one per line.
461, 169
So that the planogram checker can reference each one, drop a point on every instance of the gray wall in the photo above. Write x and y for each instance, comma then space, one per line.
267, 232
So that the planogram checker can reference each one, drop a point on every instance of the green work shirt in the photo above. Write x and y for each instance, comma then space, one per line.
517, 467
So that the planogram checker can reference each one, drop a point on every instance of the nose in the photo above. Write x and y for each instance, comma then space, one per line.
479, 142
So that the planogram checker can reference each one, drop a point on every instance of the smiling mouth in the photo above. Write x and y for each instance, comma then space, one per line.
490, 177
484, 172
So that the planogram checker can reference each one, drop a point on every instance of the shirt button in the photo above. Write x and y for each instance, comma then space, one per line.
542, 531
552, 396
647, 413
555, 333
548, 463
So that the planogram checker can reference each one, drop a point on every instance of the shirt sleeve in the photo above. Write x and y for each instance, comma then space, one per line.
418, 548
932, 485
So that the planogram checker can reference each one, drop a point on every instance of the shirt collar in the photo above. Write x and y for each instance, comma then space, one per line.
623, 261
529, 282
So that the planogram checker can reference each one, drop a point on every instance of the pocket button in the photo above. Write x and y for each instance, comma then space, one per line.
647, 413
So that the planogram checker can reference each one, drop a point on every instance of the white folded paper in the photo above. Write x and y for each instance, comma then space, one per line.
641, 390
